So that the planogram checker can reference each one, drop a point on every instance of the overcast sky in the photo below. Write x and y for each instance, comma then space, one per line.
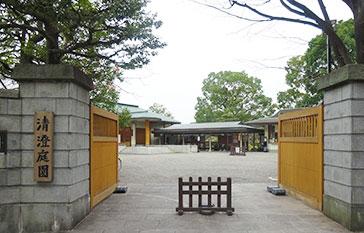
202, 40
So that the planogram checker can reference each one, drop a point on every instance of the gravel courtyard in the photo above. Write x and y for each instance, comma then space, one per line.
166, 168
149, 205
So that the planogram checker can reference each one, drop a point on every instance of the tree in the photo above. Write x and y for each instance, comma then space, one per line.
304, 15
232, 96
98, 36
303, 71
124, 118
160, 109
104, 95
303, 85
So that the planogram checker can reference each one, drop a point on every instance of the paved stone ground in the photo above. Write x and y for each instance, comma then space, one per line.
149, 205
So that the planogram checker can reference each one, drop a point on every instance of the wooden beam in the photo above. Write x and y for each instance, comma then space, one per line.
210, 143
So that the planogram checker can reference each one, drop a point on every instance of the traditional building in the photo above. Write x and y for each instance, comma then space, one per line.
143, 122
212, 135
270, 125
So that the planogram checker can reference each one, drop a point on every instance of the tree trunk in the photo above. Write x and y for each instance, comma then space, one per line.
342, 54
52, 44
24, 58
359, 30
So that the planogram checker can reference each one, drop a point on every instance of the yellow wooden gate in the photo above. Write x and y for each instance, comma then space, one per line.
103, 154
300, 154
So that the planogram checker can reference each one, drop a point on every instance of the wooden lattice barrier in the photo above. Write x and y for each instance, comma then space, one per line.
208, 191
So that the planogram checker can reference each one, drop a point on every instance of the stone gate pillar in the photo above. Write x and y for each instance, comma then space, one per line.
25, 204
344, 146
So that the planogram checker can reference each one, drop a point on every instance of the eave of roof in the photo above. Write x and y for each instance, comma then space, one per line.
211, 127
263, 121
139, 113
271, 120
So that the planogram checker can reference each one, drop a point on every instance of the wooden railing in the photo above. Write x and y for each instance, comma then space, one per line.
305, 126
204, 190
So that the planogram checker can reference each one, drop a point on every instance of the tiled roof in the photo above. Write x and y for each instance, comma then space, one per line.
210, 127
263, 121
271, 119
139, 113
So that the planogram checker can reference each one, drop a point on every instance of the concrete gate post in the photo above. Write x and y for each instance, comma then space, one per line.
344, 146
27, 205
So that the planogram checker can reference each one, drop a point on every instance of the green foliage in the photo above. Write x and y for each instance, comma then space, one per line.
160, 109
303, 71
105, 93
232, 96
48, 31
105, 96
98, 36
124, 118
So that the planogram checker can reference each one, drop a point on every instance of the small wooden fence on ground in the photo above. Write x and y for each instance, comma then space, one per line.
204, 190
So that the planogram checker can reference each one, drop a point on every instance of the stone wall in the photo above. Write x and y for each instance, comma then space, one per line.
10, 172
26, 205
344, 146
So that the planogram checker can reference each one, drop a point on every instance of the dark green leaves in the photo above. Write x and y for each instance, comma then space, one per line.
303, 71
232, 96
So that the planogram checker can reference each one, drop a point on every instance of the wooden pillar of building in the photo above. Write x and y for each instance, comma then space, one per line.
254, 141
210, 143
247, 142
227, 142
147, 133
183, 139
241, 141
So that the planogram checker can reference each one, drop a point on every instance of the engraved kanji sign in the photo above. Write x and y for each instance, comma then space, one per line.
43, 146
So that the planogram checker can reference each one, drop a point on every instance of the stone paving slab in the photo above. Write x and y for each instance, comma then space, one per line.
149, 207
255, 211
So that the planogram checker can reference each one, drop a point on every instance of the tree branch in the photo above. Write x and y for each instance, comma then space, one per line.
271, 17
340, 50
88, 44
350, 4
324, 12
24, 27
5, 65
90, 55
15, 4
228, 13
291, 9
3, 84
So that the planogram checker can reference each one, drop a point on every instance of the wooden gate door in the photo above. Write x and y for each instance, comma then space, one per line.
103, 154
300, 154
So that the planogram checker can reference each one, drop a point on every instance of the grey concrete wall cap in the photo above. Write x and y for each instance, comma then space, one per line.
7, 93
52, 72
347, 73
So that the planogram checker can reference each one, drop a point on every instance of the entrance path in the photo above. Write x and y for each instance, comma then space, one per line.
149, 205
